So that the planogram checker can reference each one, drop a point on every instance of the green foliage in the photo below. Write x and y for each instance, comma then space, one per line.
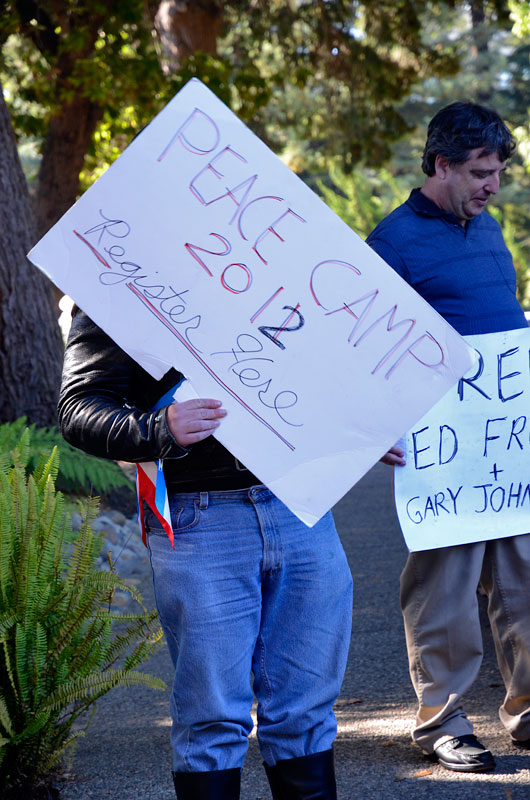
514, 220
62, 644
78, 472
51, 51
316, 81
364, 197
328, 74
520, 13
242, 88
495, 70
336, 71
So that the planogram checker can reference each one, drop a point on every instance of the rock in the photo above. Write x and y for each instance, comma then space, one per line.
123, 539
111, 535
117, 517
77, 521
102, 521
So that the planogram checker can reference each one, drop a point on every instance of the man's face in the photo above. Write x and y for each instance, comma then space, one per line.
466, 188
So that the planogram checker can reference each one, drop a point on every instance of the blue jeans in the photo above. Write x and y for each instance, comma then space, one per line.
250, 589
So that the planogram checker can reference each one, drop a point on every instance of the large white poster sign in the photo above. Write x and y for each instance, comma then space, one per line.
200, 249
467, 477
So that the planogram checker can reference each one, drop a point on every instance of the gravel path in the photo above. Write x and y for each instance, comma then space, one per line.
126, 752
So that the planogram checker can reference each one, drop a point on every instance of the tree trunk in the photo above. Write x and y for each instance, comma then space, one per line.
63, 156
480, 50
31, 348
185, 27
478, 19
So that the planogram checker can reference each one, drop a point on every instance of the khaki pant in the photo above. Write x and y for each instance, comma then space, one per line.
444, 641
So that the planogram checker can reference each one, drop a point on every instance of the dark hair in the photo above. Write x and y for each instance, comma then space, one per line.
461, 127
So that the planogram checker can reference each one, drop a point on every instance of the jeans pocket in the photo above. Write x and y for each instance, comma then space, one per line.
184, 517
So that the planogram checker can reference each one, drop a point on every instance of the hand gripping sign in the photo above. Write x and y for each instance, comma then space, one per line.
200, 249
467, 477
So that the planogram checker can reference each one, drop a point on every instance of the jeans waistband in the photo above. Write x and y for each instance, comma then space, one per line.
254, 494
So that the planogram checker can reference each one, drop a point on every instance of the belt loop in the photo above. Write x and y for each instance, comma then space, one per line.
203, 501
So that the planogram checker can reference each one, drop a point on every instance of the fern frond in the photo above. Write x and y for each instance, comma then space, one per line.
123, 616
57, 626
143, 629
47, 469
132, 591
7, 620
59, 752
82, 557
90, 686
143, 651
41, 648
7, 539
20, 452
35, 724
101, 582
10, 670
26, 594
21, 662
19, 505
77, 472
51, 532
79, 611
91, 652
5, 718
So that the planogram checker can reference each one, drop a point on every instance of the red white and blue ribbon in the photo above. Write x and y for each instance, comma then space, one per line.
151, 485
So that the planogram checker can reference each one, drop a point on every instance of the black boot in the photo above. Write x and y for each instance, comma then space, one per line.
304, 778
220, 784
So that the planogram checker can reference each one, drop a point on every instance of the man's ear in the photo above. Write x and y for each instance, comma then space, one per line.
441, 167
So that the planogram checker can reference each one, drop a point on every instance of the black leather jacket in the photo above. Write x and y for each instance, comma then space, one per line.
104, 409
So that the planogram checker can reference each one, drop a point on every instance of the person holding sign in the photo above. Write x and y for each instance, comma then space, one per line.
444, 244
241, 584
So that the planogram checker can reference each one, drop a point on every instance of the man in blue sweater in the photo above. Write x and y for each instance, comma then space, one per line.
443, 243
